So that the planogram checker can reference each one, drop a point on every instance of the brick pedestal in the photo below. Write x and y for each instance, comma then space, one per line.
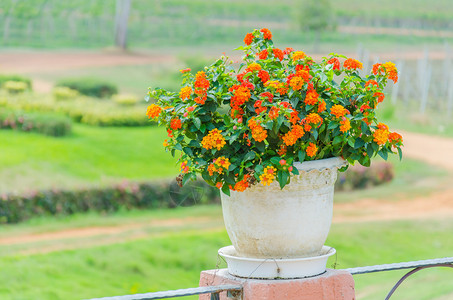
332, 285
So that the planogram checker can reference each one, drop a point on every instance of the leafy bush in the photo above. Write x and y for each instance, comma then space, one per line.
82, 109
125, 100
127, 195
15, 87
48, 124
90, 86
64, 93
5, 78
360, 177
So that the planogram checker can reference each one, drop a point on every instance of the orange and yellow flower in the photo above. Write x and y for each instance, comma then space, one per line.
267, 34
175, 124
352, 64
291, 137
395, 138
391, 71
243, 184
268, 175
311, 150
338, 110
253, 67
185, 93
311, 98
214, 139
296, 83
259, 134
153, 111
381, 135
249, 38
296, 55
313, 118
345, 125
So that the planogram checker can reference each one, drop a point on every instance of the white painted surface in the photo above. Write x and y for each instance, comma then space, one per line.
275, 268
267, 222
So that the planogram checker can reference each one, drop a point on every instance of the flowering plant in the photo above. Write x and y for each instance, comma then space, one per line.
241, 127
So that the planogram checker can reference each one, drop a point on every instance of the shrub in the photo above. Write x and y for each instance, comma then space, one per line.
82, 110
360, 177
47, 124
64, 93
90, 86
126, 195
15, 87
5, 78
125, 100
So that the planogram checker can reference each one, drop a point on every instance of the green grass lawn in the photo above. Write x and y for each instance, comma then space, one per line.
172, 260
91, 155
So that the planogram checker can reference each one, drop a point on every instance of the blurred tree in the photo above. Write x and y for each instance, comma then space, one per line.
121, 20
316, 16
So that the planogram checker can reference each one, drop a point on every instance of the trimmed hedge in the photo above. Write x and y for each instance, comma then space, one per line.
127, 195
82, 109
47, 124
360, 177
4, 78
89, 86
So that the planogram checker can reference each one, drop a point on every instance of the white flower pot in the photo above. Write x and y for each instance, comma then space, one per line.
267, 222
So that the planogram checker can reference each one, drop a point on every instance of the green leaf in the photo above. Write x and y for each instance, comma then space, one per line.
188, 151
358, 143
295, 171
338, 139
197, 122
203, 128
249, 156
194, 143
178, 147
226, 189
282, 177
301, 155
332, 125
369, 151
232, 167
351, 143
400, 153
259, 169
383, 153
276, 160
185, 178
260, 146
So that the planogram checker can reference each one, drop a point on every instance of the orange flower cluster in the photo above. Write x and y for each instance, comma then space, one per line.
249, 38
263, 75
372, 82
273, 113
391, 71
338, 110
153, 111
296, 55
381, 134
185, 93
175, 124
259, 134
311, 98
294, 117
380, 96
263, 54
213, 139
352, 64
201, 86
267, 96
395, 138
268, 175
258, 108
267, 35
322, 106
345, 125
313, 118
282, 150
278, 53
253, 67
335, 62
296, 83
219, 165
311, 150
377, 69
185, 70
240, 96
243, 184
291, 137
